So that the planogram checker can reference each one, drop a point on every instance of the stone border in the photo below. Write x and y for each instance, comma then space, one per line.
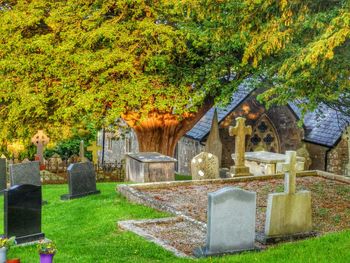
132, 194
131, 225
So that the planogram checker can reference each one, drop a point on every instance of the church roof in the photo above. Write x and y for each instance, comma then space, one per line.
202, 127
323, 126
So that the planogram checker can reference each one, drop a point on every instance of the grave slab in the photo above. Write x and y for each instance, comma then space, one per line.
22, 213
81, 181
25, 173
231, 222
205, 166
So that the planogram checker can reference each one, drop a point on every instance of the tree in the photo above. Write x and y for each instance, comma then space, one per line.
160, 65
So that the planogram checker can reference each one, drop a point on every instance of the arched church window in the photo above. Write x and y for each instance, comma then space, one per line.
264, 136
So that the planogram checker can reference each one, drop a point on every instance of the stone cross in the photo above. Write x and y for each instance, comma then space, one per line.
40, 140
240, 131
94, 148
346, 136
289, 167
213, 144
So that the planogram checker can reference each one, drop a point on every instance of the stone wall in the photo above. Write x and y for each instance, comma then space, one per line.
186, 149
115, 149
288, 135
337, 158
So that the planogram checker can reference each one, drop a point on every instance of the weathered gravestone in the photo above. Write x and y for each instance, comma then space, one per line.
82, 157
240, 131
205, 166
231, 222
25, 173
3, 181
22, 213
288, 214
213, 144
40, 139
81, 181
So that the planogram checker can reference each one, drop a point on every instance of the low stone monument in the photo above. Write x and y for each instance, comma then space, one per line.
25, 173
288, 214
146, 167
231, 222
3, 180
213, 144
205, 166
94, 148
22, 213
81, 181
240, 131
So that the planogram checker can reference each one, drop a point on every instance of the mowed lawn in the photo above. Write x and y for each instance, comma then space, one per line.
85, 230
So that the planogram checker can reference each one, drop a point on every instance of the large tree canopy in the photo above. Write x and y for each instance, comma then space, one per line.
160, 64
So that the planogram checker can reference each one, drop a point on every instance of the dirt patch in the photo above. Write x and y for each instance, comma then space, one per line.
330, 200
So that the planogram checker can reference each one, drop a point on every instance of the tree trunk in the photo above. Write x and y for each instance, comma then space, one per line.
161, 131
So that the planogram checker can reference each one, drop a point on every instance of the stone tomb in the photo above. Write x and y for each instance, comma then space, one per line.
149, 167
288, 214
25, 173
3, 180
81, 181
205, 166
22, 213
231, 222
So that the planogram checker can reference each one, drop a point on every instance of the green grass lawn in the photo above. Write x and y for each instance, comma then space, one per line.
85, 230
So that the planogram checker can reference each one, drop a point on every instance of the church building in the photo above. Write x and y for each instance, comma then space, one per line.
321, 139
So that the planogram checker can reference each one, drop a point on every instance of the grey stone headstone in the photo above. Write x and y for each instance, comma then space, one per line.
25, 173
231, 222
3, 181
81, 180
22, 213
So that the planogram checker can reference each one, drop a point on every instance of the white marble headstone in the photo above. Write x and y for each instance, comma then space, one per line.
231, 221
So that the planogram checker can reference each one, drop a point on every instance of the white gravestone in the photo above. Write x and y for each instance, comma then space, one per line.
231, 222
205, 166
288, 213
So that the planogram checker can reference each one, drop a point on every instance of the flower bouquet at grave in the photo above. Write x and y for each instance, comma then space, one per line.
46, 249
5, 244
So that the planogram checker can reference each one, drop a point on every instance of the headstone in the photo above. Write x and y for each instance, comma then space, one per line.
205, 166
303, 152
94, 148
3, 180
40, 139
240, 131
25, 173
25, 160
82, 157
213, 144
81, 181
22, 213
231, 222
289, 213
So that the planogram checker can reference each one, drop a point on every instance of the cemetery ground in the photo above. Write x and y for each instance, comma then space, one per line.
85, 230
